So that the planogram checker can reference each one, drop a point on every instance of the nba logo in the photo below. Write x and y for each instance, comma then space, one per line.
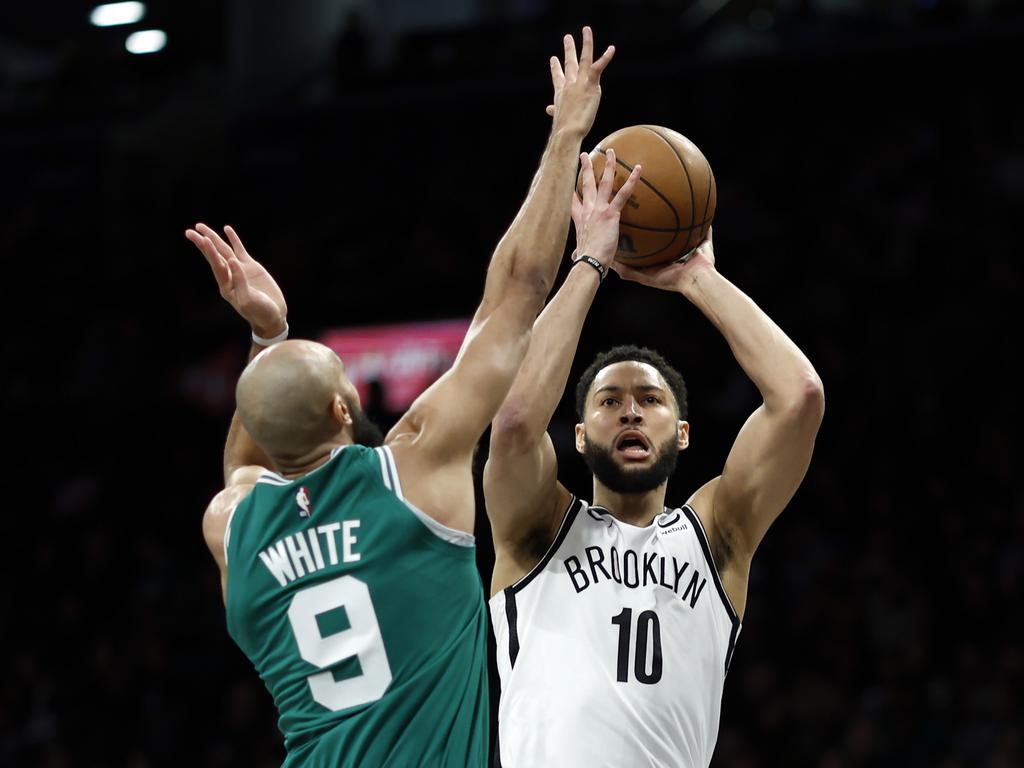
302, 499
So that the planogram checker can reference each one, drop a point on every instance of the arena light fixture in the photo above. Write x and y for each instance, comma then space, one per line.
113, 14
146, 41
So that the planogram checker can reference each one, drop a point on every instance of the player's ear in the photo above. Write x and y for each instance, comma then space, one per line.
581, 438
684, 435
340, 411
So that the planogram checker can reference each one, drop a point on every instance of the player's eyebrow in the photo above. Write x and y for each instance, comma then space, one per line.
614, 388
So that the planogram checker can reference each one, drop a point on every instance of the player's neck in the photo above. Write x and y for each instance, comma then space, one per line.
637, 509
293, 468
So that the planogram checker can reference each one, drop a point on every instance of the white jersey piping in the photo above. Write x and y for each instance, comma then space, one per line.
389, 473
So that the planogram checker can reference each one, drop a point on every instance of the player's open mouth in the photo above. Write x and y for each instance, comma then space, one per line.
633, 445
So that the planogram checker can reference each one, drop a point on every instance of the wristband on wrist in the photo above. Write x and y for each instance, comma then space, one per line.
601, 269
271, 342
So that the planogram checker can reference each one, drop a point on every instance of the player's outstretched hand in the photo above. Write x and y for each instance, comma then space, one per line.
243, 282
577, 85
671, 276
596, 213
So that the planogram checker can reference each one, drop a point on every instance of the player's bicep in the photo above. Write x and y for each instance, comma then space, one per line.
764, 468
214, 529
218, 515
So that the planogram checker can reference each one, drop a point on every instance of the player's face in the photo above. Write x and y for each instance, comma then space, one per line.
631, 436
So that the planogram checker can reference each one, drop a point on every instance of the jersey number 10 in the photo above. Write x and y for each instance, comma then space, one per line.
648, 631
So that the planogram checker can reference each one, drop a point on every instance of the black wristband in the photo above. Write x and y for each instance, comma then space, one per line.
601, 269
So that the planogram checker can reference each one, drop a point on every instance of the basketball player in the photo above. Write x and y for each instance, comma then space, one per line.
348, 570
616, 619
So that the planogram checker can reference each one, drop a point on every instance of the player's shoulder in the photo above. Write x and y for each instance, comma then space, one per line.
222, 506
702, 500
240, 483
720, 530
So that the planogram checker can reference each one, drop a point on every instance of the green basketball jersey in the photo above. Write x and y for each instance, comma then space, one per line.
364, 617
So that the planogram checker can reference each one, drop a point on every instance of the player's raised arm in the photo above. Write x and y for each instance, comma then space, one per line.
530, 249
444, 424
523, 497
771, 454
247, 286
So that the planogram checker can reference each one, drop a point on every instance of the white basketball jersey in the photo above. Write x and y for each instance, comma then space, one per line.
613, 650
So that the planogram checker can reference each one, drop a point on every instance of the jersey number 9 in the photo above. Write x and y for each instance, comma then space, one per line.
361, 639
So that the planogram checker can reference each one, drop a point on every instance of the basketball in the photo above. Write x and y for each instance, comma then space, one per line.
672, 205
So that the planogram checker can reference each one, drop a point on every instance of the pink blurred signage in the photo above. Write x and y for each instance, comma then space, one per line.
405, 359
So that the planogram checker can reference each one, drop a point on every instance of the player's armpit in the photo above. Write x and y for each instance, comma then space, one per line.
513, 562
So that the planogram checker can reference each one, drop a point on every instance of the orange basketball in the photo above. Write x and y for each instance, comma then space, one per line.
672, 205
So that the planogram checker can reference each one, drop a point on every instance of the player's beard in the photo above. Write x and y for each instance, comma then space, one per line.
364, 431
615, 477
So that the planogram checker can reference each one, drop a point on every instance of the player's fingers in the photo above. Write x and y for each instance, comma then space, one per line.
608, 176
626, 190
200, 242
571, 64
236, 243
557, 75
577, 211
601, 64
587, 51
218, 265
238, 279
589, 183
222, 247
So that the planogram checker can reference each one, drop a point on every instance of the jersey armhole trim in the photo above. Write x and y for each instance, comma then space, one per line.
227, 532
568, 517
705, 545
272, 478
389, 472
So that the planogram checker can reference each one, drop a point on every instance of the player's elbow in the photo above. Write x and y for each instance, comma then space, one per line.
511, 429
807, 403
530, 281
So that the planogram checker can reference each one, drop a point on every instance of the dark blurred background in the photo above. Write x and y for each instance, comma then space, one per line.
870, 164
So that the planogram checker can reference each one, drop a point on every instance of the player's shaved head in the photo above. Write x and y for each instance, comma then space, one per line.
285, 398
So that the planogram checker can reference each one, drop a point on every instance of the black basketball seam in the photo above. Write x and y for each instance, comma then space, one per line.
653, 253
650, 186
648, 255
711, 186
689, 181
664, 229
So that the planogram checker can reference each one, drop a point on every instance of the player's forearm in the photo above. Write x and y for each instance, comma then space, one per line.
541, 380
780, 371
531, 249
240, 450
